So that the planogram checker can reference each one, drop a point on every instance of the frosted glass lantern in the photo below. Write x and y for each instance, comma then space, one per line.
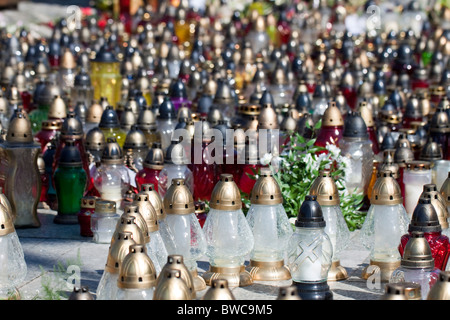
228, 235
324, 187
189, 237
271, 230
440, 172
137, 275
310, 251
385, 223
107, 287
415, 175
104, 221
13, 268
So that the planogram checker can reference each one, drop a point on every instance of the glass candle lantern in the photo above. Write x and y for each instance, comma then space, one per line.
107, 286
49, 130
20, 177
87, 209
104, 221
157, 202
156, 247
440, 172
385, 223
440, 205
67, 71
93, 116
146, 121
228, 235
271, 230
175, 166
110, 125
136, 142
415, 175
440, 130
445, 191
324, 187
151, 167
178, 95
111, 178
332, 126
166, 122
82, 90
176, 262
441, 289
105, 76
70, 184
319, 101
425, 219
366, 114
357, 147
309, 252
402, 291
200, 212
218, 290
171, 287
258, 37
95, 144
137, 275
12, 261
189, 237
417, 264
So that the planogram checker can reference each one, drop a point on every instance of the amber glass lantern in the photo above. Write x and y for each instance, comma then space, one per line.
105, 76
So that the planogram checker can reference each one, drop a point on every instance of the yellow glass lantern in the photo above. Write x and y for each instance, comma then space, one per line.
105, 76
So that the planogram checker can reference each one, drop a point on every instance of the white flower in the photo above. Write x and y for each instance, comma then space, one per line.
266, 159
334, 150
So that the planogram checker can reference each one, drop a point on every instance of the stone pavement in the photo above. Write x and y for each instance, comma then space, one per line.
55, 253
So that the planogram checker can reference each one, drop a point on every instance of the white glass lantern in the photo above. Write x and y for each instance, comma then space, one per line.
104, 221
310, 251
440, 172
228, 235
385, 223
137, 275
324, 187
13, 268
107, 287
271, 230
415, 175
189, 237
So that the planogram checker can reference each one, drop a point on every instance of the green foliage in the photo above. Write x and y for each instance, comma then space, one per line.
299, 168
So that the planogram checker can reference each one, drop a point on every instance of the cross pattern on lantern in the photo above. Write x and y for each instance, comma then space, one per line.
307, 252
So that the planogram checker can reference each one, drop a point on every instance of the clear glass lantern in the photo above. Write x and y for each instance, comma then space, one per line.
166, 122
13, 267
324, 187
82, 89
180, 217
271, 229
415, 175
112, 178
104, 221
357, 147
107, 287
385, 223
310, 251
417, 264
175, 166
137, 275
440, 172
228, 235
258, 37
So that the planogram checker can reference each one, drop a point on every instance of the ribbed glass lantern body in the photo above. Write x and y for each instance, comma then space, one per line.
103, 226
107, 287
159, 250
382, 229
336, 228
13, 268
426, 277
112, 182
228, 236
189, 238
173, 171
271, 232
135, 294
309, 255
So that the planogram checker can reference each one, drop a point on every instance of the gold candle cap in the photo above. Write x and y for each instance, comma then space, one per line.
179, 199
94, 113
118, 250
417, 165
129, 224
324, 187
417, 253
332, 116
147, 211
132, 211
6, 221
441, 289
105, 206
88, 202
19, 130
267, 118
135, 139
288, 293
155, 157
219, 290
445, 189
366, 114
68, 60
155, 199
176, 262
137, 270
226, 194
171, 287
403, 155
386, 190
72, 126
394, 291
431, 151
289, 123
95, 139
58, 108
50, 124
112, 153
266, 190
146, 119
